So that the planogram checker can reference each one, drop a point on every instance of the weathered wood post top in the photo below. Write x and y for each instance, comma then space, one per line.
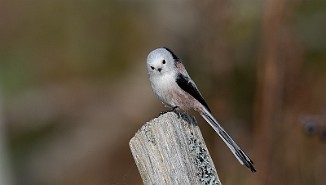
170, 149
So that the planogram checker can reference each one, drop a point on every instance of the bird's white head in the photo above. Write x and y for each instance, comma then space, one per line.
161, 61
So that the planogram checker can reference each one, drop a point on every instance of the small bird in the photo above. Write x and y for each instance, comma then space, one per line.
174, 87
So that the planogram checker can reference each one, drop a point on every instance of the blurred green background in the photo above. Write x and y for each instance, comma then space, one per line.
74, 87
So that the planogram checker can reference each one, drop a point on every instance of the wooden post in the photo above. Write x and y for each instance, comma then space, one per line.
170, 150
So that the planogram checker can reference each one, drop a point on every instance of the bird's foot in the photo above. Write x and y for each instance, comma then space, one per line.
173, 109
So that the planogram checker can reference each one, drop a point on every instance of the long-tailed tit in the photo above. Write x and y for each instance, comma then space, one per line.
174, 87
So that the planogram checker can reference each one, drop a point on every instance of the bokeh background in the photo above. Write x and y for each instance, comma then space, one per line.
74, 86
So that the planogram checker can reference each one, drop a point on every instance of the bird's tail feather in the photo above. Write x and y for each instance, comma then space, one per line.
234, 147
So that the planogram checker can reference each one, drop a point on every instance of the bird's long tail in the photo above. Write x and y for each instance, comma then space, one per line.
234, 147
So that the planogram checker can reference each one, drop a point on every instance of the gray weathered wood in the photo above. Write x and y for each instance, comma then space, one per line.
170, 149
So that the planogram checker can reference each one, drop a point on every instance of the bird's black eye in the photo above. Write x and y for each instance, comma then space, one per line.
163, 62
152, 67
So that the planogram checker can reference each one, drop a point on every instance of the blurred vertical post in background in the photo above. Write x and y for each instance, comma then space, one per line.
270, 74
5, 169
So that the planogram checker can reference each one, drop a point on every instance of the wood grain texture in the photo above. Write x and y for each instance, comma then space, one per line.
170, 149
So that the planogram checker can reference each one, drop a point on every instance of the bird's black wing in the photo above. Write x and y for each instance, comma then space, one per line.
187, 85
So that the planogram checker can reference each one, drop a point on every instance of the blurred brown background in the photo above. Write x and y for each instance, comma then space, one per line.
74, 87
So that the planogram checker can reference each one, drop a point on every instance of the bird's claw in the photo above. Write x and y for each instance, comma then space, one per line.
173, 109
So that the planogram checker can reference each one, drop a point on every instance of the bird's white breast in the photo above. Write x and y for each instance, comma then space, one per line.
165, 87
